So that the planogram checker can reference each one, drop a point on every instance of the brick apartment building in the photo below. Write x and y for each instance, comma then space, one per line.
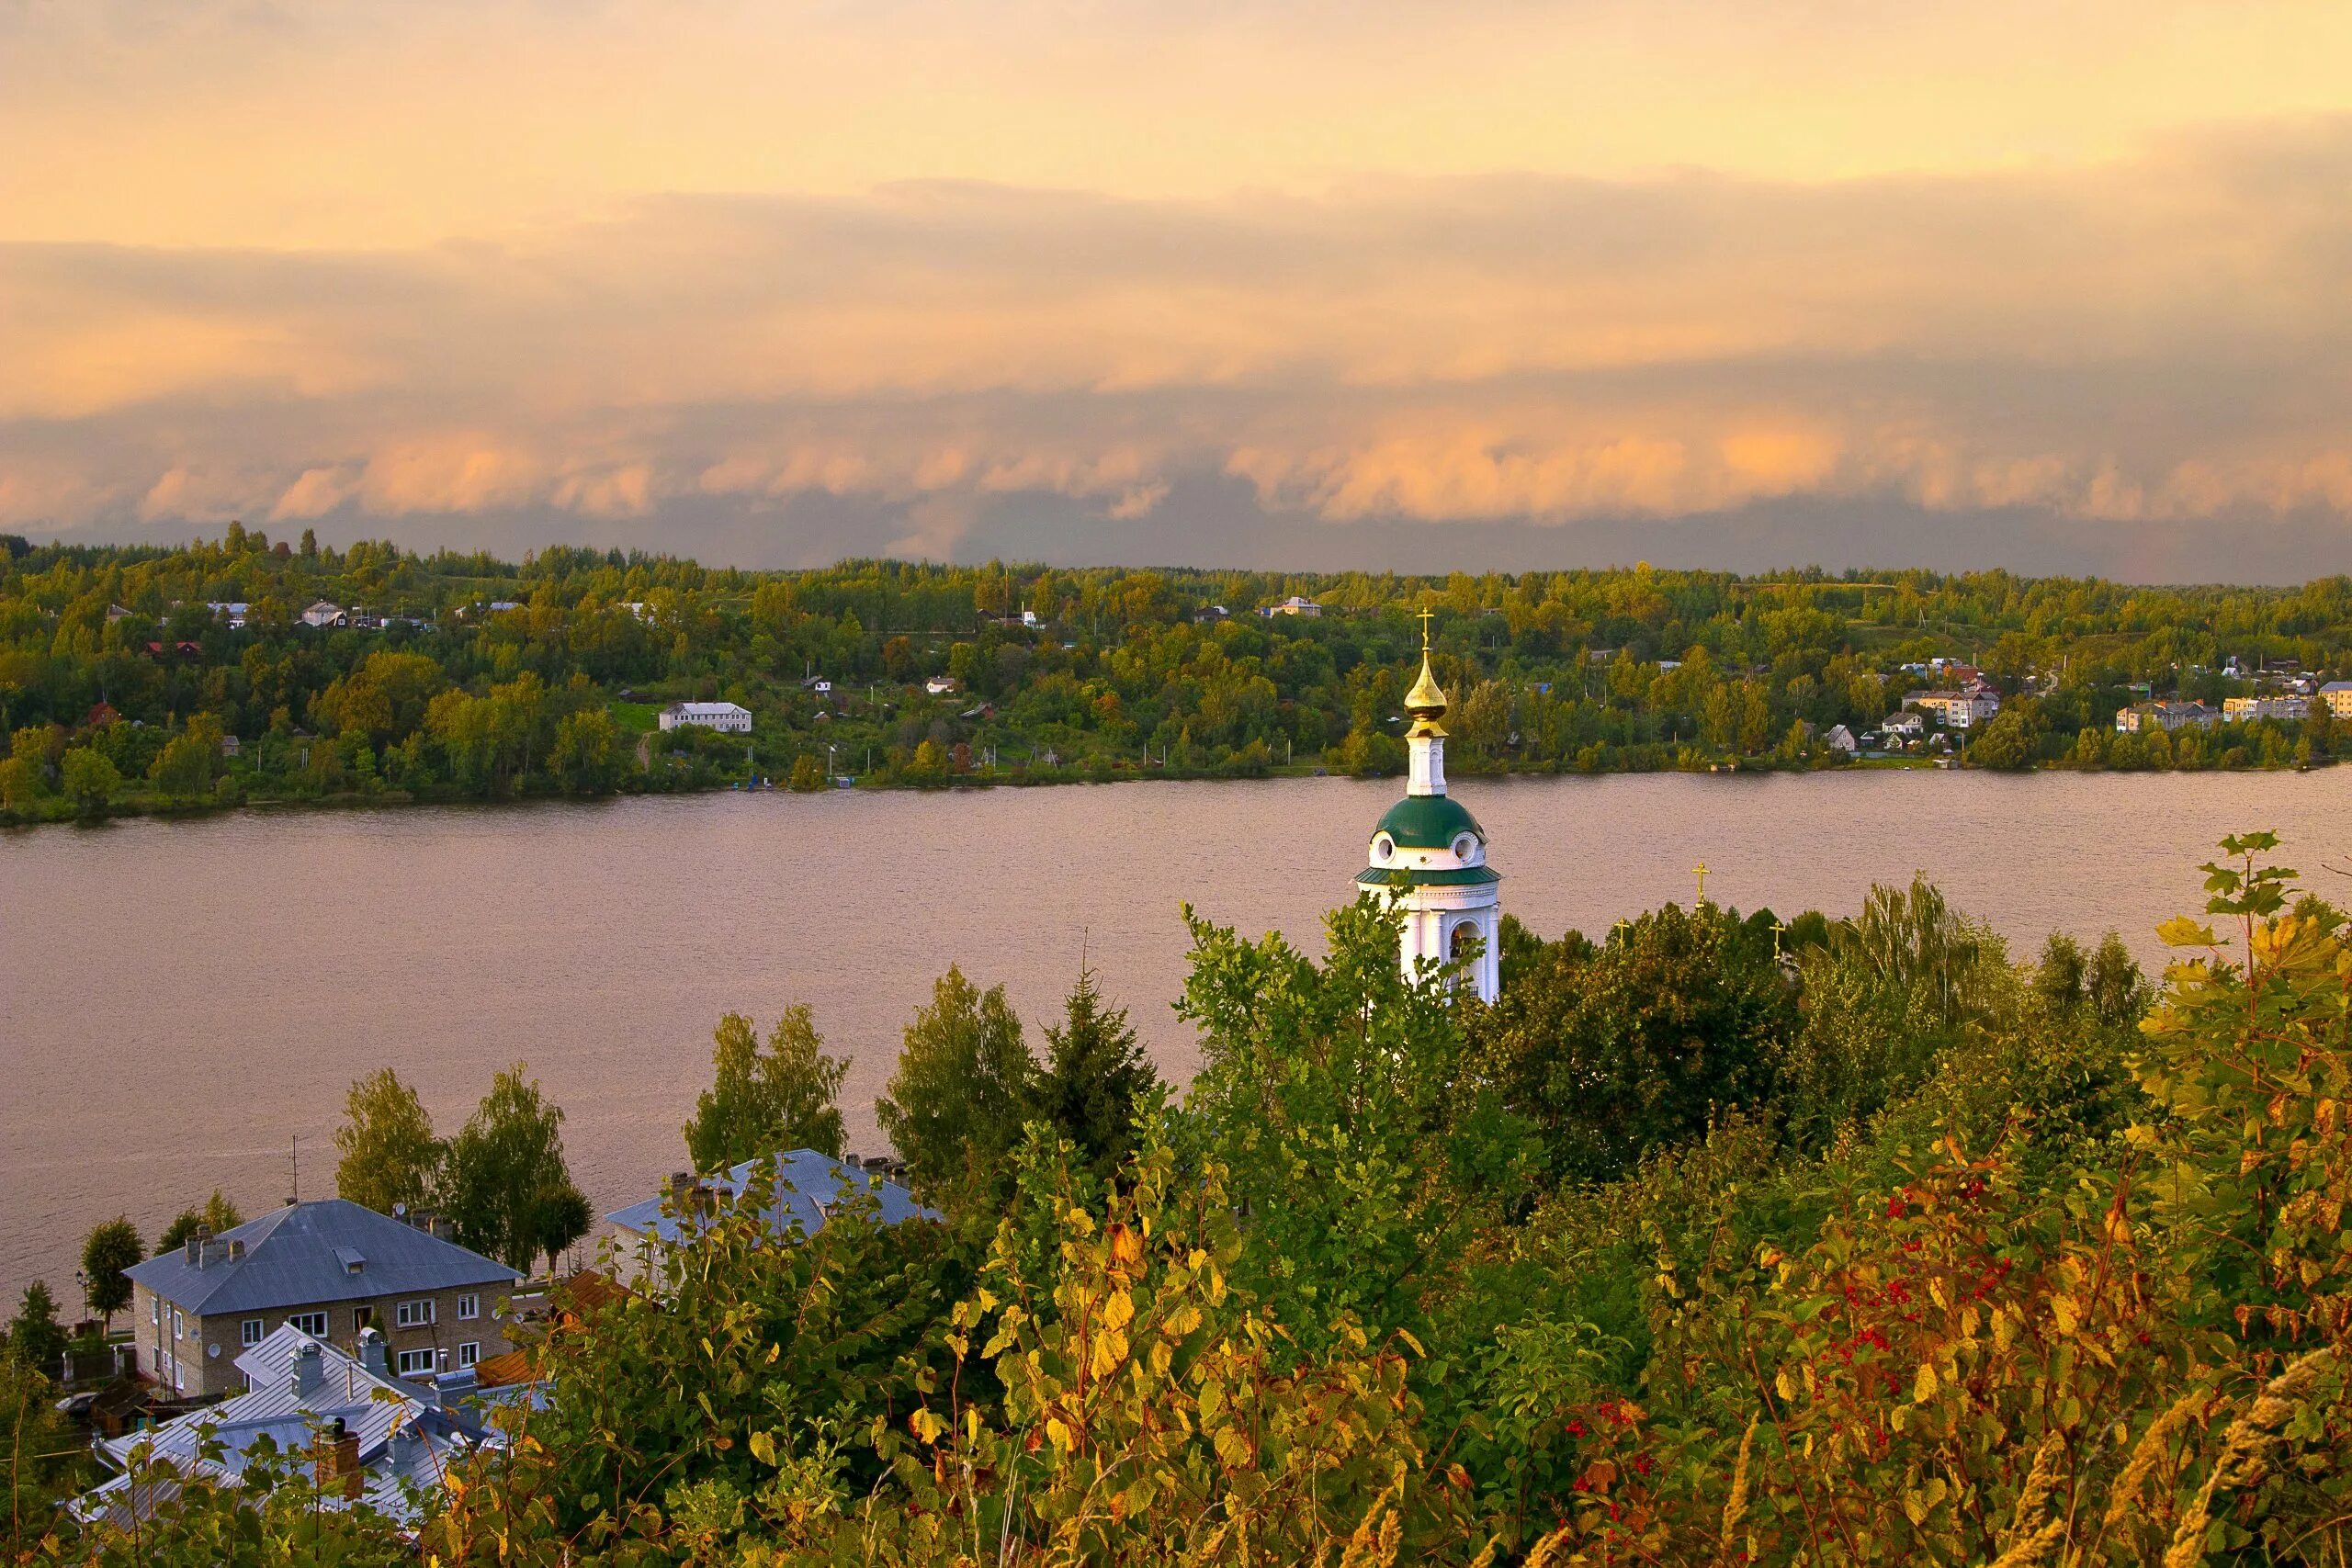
331, 1269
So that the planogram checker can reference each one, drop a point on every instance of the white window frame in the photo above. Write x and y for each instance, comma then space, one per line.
412, 1363
255, 1330
155, 1311
469, 1353
469, 1308
313, 1324
417, 1314
179, 1325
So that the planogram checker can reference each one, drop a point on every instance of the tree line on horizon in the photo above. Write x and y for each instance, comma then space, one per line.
1721, 1239
119, 687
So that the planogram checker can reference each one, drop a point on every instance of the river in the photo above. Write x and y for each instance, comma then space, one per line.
181, 1002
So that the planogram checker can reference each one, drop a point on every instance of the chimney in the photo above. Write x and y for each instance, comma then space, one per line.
309, 1369
192, 1249
336, 1461
371, 1351
682, 1188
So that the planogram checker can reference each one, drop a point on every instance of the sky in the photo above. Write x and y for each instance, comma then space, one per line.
1491, 284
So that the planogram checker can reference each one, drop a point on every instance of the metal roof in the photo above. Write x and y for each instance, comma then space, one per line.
809, 1186
372, 1408
297, 1257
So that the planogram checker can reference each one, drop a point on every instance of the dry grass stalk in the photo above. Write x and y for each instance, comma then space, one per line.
2151, 1448
1736, 1506
2243, 1446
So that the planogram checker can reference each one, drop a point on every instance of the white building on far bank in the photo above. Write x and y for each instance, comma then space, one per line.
729, 717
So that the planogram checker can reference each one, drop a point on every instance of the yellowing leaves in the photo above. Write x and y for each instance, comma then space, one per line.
1924, 1385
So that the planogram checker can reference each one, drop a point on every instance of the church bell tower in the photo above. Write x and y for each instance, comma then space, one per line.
1429, 854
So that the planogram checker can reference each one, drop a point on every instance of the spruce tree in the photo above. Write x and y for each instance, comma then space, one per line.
1096, 1077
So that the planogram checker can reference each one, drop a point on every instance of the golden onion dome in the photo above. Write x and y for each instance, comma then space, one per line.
1425, 700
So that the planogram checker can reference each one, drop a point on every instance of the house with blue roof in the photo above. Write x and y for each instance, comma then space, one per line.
370, 1439
332, 1270
811, 1188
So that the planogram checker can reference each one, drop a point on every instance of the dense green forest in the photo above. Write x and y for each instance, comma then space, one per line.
1840, 1241
121, 687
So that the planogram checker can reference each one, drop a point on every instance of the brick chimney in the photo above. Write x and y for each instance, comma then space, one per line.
371, 1351
192, 1249
336, 1458
309, 1368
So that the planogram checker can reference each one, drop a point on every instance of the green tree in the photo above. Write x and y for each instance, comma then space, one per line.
217, 1214
762, 1104
89, 778
954, 1108
506, 1171
185, 768
2118, 991
1095, 1079
2007, 743
1361, 1140
560, 1218
587, 752
807, 774
390, 1157
1636, 1044
40, 1457
34, 1336
110, 1248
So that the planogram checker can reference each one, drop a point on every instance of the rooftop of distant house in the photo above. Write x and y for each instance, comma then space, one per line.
809, 1187
325, 1250
387, 1442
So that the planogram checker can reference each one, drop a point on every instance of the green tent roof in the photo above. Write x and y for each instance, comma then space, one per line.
1427, 822
1408, 876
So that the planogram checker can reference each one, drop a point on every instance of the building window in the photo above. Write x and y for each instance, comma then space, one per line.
253, 1330
469, 1308
469, 1354
414, 1315
415, 1363
362, 1318
155, 1311
178, 1328
313, 1324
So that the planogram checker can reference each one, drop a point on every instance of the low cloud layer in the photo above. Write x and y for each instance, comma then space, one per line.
2159, 340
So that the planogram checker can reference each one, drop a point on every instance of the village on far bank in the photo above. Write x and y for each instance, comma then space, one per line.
246, 671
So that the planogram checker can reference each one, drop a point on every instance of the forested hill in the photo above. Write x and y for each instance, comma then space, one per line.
124, 671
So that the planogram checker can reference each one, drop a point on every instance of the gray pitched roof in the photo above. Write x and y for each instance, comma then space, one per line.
299, 1255
809, 1186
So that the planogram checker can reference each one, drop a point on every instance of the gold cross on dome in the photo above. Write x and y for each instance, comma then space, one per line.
1700, 872
1427, 615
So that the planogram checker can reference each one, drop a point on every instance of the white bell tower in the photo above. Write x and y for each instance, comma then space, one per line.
1429, 854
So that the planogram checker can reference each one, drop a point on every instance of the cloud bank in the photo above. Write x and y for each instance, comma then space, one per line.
2153, 338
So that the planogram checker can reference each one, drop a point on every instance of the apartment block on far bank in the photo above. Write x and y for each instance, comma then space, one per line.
332, 1270
2165, 715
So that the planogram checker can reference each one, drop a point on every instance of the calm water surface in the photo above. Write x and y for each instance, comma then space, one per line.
180, 1000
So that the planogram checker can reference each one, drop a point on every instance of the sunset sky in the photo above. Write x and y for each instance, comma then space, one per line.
1491, 283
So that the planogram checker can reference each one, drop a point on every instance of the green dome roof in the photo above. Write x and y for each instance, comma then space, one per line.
1427, 822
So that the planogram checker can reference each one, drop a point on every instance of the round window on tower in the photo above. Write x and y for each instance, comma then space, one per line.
1465, 846
1383, 847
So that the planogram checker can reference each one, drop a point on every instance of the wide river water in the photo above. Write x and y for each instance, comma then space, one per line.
181, 1001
